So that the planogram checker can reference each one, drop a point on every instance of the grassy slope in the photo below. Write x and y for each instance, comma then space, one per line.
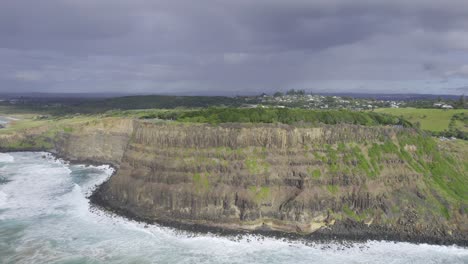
34, 133
430, 119
26, 122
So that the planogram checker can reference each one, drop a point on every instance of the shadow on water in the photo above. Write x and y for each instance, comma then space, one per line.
4, 180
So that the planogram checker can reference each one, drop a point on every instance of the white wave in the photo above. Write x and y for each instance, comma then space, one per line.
35, 190
106, 168
5, 157
3, 199
50, 198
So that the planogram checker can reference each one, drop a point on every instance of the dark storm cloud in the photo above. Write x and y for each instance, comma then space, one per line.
230, 47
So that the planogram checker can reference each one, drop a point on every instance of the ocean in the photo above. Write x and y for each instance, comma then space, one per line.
45, 217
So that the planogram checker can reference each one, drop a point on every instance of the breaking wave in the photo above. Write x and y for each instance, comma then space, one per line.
45, 217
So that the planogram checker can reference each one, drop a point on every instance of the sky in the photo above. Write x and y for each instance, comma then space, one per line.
241, 47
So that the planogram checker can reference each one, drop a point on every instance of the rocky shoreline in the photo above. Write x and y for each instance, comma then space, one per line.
342, 232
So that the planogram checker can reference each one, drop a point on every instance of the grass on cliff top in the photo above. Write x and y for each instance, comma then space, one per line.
23, 123
430, 119
217, 115
27, 122
285, 116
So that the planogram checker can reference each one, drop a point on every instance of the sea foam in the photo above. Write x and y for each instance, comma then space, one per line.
5, 157
46, 217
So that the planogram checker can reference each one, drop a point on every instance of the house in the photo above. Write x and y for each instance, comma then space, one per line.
249, 106
445, 106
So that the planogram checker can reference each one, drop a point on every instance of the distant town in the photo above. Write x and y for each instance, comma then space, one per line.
289, 99
300, 99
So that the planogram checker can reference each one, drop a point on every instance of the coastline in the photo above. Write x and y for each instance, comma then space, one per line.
342, 232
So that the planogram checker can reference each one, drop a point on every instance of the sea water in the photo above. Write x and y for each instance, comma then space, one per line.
45, 217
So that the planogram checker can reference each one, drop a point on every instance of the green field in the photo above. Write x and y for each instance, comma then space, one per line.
430, 119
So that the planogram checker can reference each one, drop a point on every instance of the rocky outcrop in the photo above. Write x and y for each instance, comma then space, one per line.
95, 142
90, 140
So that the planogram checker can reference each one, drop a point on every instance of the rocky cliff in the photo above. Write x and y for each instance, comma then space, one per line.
344, 180
90, 140
103, 141
291, 179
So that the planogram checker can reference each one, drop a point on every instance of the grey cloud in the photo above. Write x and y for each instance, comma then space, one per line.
208, 25
228, 46
460, 90
429, 66
461, 71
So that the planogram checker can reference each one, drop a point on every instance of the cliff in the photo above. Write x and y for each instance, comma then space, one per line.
91, 139
102, 141
344, 181
332, 180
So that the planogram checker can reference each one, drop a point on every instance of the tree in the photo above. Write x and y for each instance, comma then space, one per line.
329, 99
417, 124
291, 92
461, 101
278, 94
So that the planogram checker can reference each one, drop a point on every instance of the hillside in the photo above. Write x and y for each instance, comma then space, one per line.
439, 122
430, 119
61, 106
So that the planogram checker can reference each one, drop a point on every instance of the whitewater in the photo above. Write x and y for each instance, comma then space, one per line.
45, 217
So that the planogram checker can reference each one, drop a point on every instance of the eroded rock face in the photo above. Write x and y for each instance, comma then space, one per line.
294, 179
98, 142
343, 180
95, 141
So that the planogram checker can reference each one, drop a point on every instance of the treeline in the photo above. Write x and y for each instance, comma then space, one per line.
290, 92
279, 115
66, 106
459, 103
454, 130
163, 102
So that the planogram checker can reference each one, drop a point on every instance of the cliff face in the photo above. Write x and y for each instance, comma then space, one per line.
331, 180
91, 140
101, 141
279, 177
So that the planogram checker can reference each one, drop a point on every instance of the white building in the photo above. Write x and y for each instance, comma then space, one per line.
445, 106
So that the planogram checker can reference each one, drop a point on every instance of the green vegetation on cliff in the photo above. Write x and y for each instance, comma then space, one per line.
278, 115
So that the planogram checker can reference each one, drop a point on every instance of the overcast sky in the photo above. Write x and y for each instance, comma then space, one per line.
234, 46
